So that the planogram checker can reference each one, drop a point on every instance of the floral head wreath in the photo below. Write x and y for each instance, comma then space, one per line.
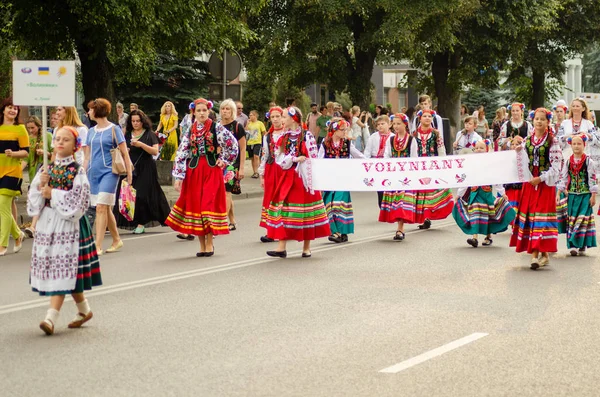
583, 137
401, 116
546, 111
564, 107
273, 109
203, 101
192, 106
336, 125
75, 133
294, 114
422, 112
517, 104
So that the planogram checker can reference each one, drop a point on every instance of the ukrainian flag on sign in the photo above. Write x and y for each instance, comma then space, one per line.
43, 70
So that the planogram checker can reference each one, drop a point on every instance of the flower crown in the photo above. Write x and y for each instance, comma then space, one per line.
208, 103
192, 106
401, 116
520, 105
565, 107
75, 133
548, 113
420, 113
273, 109
291, 111
583, 137
337, 125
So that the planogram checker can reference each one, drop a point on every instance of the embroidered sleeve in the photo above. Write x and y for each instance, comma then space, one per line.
35, 201
285, 161
552, 176
264, 154
70, 205
592, 175
523, 164
183, 153
311, 145
594, 135
561, 136
529, 128
228, 143
357, 154
563, 181
440, 144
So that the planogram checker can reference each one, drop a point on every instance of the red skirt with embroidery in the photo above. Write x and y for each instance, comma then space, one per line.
536, 227
294, 213
271, 176
201, 207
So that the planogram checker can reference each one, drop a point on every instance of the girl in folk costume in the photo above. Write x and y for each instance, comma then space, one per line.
338, 204
205, 150
560, 113
516, 126
467, 138
399, 206
579, 183
431, 204
296, 211
580, 122
269, 171
64, 258
535, 229
477, 211
377, 142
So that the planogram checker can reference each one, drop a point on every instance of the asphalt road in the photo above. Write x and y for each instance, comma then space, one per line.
459, 321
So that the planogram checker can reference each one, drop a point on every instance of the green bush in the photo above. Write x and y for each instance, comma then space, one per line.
167, 151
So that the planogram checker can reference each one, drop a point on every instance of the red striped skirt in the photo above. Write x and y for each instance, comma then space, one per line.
272, 175
201, 207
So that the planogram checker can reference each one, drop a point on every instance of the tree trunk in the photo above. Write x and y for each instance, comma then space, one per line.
97, 74
359, 78
538, 88
448, 95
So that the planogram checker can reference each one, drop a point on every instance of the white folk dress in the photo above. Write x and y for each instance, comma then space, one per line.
55, 253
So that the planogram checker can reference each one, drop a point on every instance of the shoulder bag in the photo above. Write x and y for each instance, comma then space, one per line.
118, 163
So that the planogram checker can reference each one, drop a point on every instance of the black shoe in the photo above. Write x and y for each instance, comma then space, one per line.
210, 253
487, 241
182, 236
399, 236
344, 238
190, 237
425, 225
473, 242
306, 255
335, 238
277, 254
200, 254
265, 239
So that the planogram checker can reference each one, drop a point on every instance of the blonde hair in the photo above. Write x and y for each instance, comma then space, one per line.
228, 103
163, 109
355, 109
500, 114
383, 117
71, 118
586, 112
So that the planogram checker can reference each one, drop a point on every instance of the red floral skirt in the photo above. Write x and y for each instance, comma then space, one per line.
272, 175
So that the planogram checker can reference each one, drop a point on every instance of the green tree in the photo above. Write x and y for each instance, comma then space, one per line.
179, 80
591, 69
120, 39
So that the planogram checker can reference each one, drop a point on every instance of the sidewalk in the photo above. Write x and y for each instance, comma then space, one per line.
250, 189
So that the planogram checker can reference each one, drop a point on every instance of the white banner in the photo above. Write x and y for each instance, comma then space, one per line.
420, 173
44, 83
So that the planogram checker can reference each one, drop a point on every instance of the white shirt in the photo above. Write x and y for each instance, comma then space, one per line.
466, 140
373, 145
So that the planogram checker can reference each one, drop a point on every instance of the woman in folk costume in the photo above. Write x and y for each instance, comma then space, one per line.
377, 142
64, 258
431, 204
516, 126
579, 183
535, 229
204, 151
269, 171
477, 211
560, 114
338, 204
399, 206
296, 211
580, 122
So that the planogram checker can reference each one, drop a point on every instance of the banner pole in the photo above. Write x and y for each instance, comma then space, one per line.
45, 135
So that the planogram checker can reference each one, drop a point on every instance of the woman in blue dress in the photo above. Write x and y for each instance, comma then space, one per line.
103, 137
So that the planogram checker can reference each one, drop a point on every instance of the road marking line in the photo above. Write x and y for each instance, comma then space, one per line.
421, 358
42, 302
